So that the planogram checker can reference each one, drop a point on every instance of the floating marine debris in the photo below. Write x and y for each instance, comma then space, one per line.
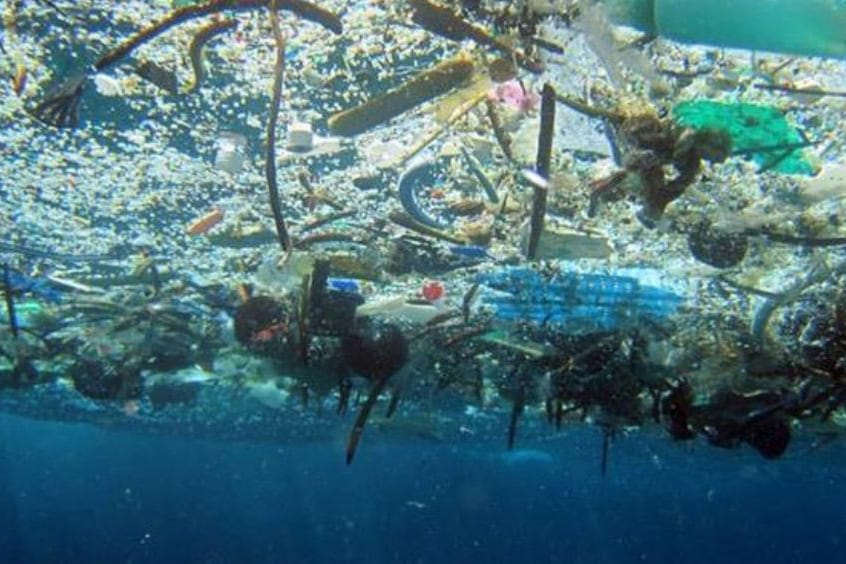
716, 248
425, 86
830, 183
158, 75
337, 317
166, 79
16, 283
10, 301
409, 182
557, 243
270, 134
648, 144
19, 79
198, 44
205, 223
60, 108
441, 20
480, 175
529, 348
376, 352
760, 133
409, 222
542, 168
231, 152
503, 138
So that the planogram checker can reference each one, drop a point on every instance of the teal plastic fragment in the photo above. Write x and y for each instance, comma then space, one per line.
801, 27
639, 14
751, 126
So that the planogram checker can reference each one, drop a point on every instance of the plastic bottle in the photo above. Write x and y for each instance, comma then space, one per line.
799, 27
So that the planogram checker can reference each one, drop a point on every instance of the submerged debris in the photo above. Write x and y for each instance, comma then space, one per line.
376, 353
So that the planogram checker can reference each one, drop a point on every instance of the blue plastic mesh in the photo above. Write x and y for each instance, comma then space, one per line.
574, 301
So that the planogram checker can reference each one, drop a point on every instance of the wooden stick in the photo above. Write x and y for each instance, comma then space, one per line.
441, 128
441, 20
404, 220
195, 51
319, 222
795, 90
502, 136
542, 166
423, 87
305, 10
10, 301
588, 110
270, 155
361, 419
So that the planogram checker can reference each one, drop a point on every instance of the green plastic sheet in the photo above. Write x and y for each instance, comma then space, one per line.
758, 132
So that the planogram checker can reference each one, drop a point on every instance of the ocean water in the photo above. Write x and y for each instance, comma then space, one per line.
522, 286
73, 493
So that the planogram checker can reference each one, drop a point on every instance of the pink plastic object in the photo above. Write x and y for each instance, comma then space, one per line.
512, 94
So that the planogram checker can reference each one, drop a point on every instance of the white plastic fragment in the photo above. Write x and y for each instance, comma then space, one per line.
300, 137
107, 86
830, 183
566, 244
398, 309
807, 91
231, 152
535, 179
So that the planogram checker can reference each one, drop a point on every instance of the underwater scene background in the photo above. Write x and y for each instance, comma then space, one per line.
417, 281
75, 493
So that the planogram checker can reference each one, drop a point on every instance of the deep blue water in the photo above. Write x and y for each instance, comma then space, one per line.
74, 493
